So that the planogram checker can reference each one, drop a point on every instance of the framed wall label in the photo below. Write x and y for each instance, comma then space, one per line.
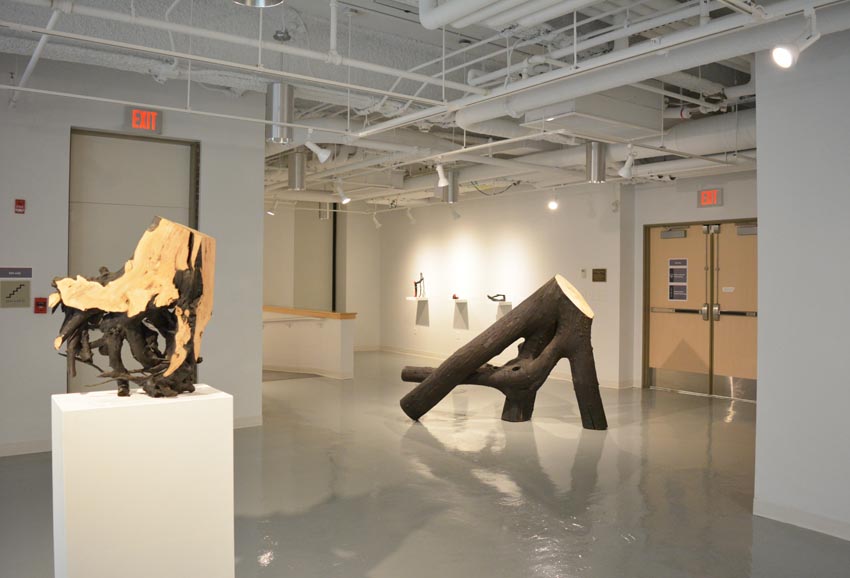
15, 272
599, 275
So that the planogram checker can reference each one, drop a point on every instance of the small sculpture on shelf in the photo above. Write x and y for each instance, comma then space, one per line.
419, 287
497, 297
165, 290
554, 322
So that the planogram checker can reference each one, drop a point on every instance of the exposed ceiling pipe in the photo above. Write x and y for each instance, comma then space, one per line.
613, 71
693, 83
690, 165
722, 38
433, 16
493, 9
706, 136
538, 12
742, 90
36, 55
278, 47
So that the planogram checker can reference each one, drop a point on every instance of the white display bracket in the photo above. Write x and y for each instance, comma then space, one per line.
503, 308
143, 487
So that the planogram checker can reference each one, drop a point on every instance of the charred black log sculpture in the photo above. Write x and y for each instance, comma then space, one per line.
554, 323
166, 290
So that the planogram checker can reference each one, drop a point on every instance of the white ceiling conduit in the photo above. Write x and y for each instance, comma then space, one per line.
537, 12
125, 18
433, 16
711, 135
625, 67
721, 38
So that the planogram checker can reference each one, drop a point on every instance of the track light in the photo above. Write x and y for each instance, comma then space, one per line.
321, 153
442, 181
273, 209
343, 198
553, 204
626, 170
376, 221
410, 216
786, 55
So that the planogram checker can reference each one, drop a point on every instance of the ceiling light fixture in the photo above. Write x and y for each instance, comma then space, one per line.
259, 3
273, 209
410, 216
376, 221
343, 198
553, 204
280, 107
626, 170
786, 55
596, 153
322, 154
442, 181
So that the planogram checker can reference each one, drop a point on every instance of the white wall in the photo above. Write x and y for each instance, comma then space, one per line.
313, 267
802, 438
34, 152
279, 258
510, 245
668, 203
360, 274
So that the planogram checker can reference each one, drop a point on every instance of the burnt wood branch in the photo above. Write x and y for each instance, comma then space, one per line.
554, 323
165, 292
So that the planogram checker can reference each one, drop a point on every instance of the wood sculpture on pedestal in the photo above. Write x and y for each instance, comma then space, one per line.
165, 290
554, 323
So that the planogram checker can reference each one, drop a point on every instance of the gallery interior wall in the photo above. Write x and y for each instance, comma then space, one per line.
313, 266
802, 437
34, 165
279, 258
509, 245
359, 266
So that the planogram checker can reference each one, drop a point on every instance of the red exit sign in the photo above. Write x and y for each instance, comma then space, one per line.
143, 120
710, 198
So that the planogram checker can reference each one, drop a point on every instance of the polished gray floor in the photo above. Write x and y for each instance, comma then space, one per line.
339, 483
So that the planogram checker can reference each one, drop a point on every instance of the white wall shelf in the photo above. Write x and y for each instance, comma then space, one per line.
460, 301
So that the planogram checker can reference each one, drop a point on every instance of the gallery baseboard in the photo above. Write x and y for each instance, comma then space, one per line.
305, 369
20, 448
366, 348
816, 522
247, 421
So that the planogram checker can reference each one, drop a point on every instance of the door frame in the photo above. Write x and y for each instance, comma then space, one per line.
644, 374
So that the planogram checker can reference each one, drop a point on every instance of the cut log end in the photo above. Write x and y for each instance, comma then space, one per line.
574, 295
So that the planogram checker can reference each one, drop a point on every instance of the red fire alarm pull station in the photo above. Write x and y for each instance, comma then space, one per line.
40, 305
20, 206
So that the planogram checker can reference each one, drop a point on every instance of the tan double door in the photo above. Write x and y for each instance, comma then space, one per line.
703, 309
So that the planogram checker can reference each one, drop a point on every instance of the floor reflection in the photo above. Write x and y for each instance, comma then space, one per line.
339, 483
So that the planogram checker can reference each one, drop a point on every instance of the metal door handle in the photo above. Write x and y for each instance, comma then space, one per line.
704, 311
715, 311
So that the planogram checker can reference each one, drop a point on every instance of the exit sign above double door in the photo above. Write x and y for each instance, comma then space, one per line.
143, 120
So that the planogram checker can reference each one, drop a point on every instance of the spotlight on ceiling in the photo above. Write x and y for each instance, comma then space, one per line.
410, 216
553, 204
273, 209
626, 170
343, 198
321, 153
442, 181
786, 55
376, 221
259, 3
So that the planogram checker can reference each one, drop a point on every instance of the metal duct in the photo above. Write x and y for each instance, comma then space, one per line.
280, 107
324, 212
297, 169
596, 153
450, 192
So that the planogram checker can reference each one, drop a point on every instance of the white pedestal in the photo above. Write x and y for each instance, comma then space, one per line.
143, 487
